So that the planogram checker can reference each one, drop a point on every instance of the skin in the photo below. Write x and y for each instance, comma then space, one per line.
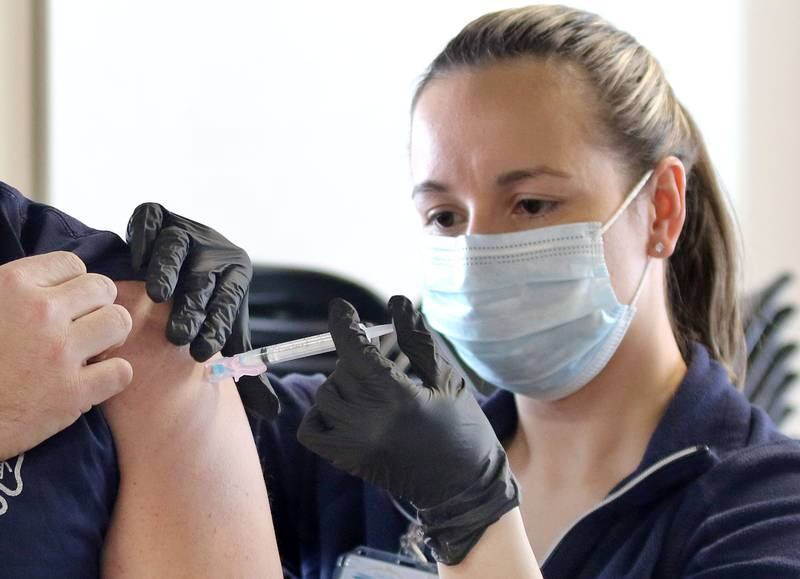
192, 500
475, 132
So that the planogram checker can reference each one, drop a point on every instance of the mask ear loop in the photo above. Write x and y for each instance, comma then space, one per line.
641, 282
628, 200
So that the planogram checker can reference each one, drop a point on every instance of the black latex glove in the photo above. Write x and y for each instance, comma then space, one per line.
429, 443
208, 278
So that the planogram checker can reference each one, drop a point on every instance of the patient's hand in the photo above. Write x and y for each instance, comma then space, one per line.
175, 516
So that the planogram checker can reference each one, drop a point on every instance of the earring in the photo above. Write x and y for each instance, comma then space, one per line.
659, 247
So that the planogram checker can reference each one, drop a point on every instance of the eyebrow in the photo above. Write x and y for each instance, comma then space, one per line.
428, 186
503, 180
513, 177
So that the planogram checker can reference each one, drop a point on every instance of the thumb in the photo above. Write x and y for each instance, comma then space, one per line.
414, 339
258, 396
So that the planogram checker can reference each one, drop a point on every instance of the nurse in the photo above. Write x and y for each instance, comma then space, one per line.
582, 260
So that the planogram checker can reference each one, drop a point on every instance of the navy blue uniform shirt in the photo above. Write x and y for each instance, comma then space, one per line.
56, 499
717, 494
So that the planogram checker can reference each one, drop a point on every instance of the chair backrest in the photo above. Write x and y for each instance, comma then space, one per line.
770, 376
291, 303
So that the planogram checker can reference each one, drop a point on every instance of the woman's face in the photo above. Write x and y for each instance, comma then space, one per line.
515, 146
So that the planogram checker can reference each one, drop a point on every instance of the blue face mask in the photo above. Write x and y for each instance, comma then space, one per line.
533, 311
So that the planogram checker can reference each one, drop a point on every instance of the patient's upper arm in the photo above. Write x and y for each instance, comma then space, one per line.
192, 499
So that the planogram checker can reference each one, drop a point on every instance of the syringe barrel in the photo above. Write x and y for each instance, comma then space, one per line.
311, 346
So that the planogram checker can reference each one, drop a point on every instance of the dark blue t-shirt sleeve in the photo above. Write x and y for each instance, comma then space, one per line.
749, 517
56, 499
56, 502
28, 228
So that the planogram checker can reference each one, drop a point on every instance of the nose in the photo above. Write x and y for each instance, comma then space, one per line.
486, 218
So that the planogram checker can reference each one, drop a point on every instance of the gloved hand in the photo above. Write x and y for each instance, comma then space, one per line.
429, 443
214, 275
208, 278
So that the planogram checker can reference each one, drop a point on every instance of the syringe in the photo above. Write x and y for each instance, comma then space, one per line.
255, 362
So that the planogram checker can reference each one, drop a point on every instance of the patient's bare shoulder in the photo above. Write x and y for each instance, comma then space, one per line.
192, 499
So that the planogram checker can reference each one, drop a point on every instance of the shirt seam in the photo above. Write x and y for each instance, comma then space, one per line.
60, 217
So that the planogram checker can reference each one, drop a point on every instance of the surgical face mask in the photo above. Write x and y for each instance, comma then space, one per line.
532, 311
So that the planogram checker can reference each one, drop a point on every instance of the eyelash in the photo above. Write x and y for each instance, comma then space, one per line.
543, 206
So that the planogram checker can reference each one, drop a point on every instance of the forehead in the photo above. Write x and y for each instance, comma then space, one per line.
528, 106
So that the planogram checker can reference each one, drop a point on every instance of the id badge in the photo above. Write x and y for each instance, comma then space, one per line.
366, 563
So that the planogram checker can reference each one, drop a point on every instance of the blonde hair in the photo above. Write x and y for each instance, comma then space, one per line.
645, 122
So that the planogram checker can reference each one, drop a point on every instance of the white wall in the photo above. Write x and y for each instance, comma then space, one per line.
284, 124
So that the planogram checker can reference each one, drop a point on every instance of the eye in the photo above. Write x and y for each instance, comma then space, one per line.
534, 207
443, 220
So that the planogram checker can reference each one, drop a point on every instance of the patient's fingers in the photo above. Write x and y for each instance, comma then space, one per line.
99, 330
84, 294
100, 381
48, 269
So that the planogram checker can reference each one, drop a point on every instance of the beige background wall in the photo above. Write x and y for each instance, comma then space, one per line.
18, 94
770, 209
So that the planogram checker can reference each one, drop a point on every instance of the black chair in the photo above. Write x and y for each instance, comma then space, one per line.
770, 376
290, 303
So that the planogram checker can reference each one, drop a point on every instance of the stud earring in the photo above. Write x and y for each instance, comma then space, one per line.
659, 247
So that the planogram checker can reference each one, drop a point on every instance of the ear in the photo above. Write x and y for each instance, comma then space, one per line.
668, 209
